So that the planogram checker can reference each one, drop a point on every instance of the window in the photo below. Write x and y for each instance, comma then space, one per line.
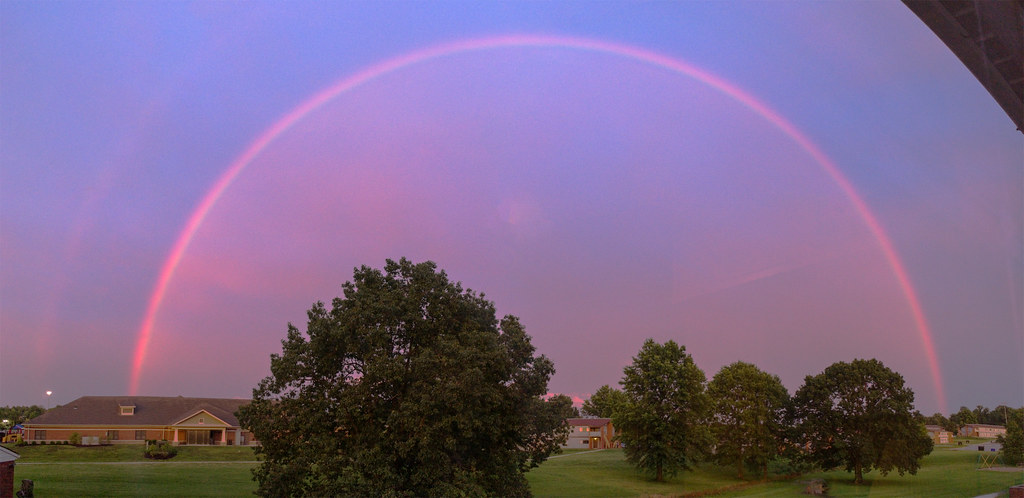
201, 421
127, 410
140, 435
39, 435
112, 435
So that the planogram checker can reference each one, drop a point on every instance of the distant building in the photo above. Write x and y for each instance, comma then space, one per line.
982, 430
939, 435
590, 433
135, 419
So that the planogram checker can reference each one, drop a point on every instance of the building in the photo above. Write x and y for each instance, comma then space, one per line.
7, 458
938, 434
590, 433
136, 419
982, 430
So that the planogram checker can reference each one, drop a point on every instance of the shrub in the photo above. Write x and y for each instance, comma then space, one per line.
75, 439
161, 451
784, 466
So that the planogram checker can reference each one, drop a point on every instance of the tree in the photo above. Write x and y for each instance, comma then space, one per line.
661, 424
748, 416
937, 419
407, 386
604, 402
1013, 440
858, 415
15, 415
961, 418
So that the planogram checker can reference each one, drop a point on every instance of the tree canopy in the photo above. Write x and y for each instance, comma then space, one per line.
748, 416
859, 415
1013, 440
604, 402
661, 424
407, 386
15, 415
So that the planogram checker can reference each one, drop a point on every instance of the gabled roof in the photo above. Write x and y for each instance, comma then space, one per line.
149, 410
7, 455
587, 422
991, 426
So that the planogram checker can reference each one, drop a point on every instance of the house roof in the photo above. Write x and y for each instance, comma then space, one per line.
985, 425
587, 422
7, 455
149, 410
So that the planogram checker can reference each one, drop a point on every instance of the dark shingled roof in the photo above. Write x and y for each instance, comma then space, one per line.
149, 410
587, 422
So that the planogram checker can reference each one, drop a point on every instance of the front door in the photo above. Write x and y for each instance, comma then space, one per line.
198, 437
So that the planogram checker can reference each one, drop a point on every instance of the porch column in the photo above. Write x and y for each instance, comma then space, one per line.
175, 436
223, 436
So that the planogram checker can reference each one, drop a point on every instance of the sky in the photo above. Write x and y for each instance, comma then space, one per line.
789, 184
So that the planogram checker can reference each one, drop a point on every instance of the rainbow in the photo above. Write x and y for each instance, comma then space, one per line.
631, 52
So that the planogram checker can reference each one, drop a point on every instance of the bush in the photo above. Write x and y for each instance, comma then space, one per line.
161, 451
75, 439
784, 466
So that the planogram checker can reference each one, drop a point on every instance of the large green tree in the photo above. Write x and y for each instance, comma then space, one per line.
858, 415
1013, 440
604, 402
408, 386
662, 423
748, 409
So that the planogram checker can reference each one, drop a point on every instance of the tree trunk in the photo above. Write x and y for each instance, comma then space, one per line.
660, 477
858, 475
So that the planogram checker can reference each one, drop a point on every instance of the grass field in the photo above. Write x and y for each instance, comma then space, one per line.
225, 471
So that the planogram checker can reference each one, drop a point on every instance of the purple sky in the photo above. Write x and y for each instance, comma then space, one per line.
600, 198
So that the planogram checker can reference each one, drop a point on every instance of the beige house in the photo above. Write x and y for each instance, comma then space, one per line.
136, 419
590, 433
939, 435
982, 430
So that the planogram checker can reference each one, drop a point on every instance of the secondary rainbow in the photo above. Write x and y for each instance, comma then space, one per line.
632, 52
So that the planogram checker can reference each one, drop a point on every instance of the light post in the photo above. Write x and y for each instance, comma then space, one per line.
48, 393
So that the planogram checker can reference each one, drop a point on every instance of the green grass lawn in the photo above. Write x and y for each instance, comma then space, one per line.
945, 472
127, 453
122, 471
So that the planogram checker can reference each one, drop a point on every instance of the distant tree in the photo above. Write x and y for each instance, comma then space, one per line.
961, 418
407, 386
661, 424
1000, 415
748, 409
19, 414
982, 415
1013, 440
937, 419
604, 402
858, 415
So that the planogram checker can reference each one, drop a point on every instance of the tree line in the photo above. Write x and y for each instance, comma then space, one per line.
854, 415
857, 416
1001, 415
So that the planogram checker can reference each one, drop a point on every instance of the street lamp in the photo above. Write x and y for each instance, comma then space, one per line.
48, 393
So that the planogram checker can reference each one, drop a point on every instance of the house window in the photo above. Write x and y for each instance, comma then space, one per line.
201, 421
127, 410
112, 435
140, 435
40, 435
